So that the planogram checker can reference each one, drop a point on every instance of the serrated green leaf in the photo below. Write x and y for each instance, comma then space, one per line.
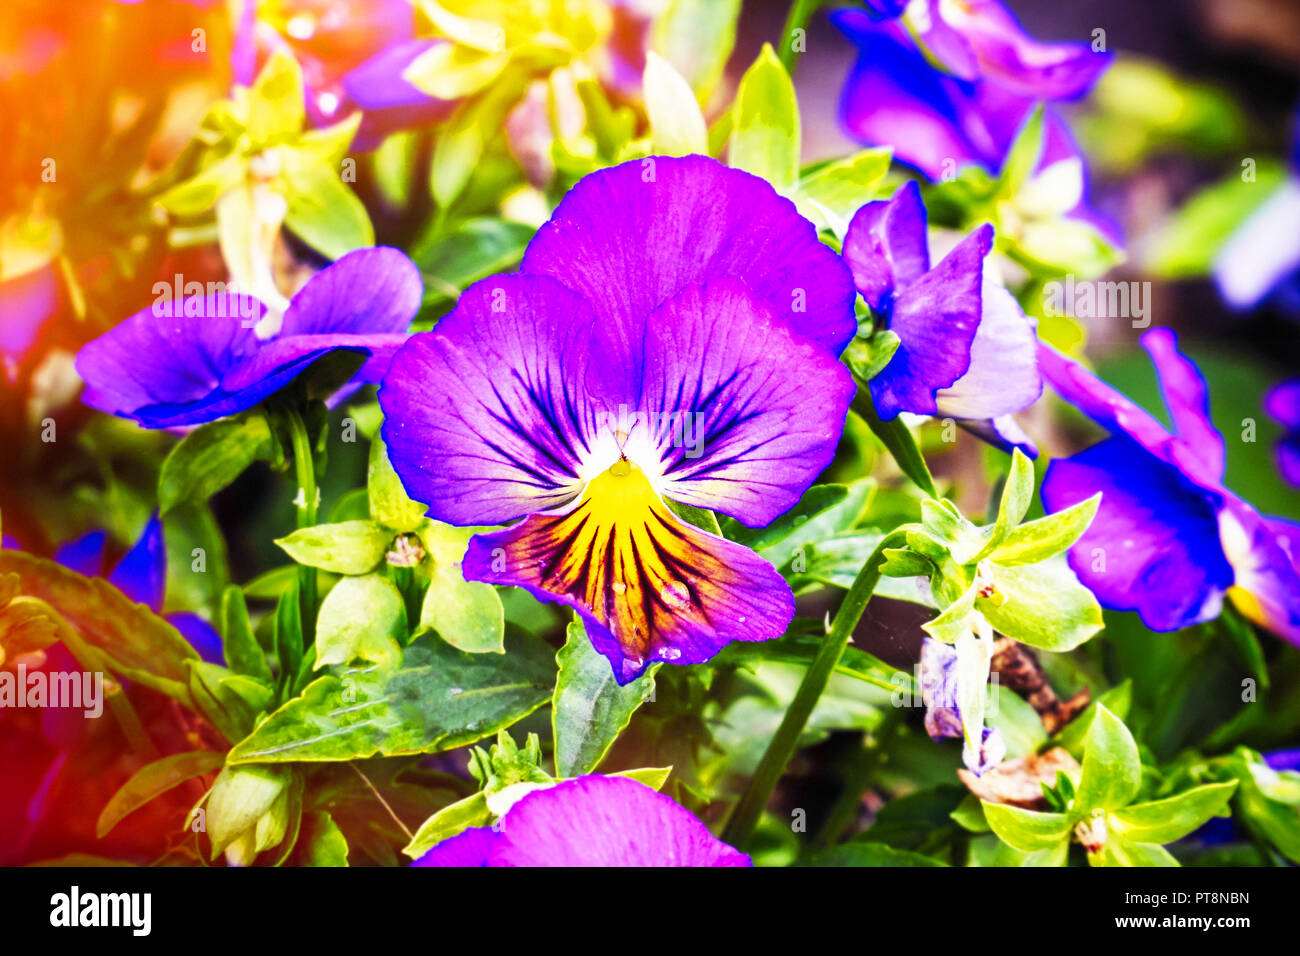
590, 709
440, 698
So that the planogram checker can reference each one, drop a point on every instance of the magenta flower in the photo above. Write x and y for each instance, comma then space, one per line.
589, 821
1169, 540
203, 358
672, 335
966, 350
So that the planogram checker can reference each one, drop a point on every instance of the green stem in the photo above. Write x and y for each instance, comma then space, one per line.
782, 746
304, 463
801, 12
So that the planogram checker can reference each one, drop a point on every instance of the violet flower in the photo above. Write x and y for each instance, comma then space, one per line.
589, 821
1169, 540
966, 350
1282, 404
203, 358
672, 335
949, 83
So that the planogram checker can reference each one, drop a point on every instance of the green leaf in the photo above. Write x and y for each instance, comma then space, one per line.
954, 621
323, 211
477, 248
223, 707
1046, 537
823, 511
1163, 821
137, 644
1268, 804
238, 801
468, 615
831, 195
1112, 771
765, 132
1041, 604
440, 698
389, 504
448, 822
199, 194
898, 441
676, 123
867, 357
211, 457
1117, 700
330, 143
1017, 495
362, 618
327, 845
1026, 150
590, 709
275, 102
1118, 852
347, 547
153, 780
449, 71
696, 37
862, 853
1188, 243
1027, 830
652, 777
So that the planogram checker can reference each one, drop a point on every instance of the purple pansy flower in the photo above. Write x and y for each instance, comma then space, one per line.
672, 335
1262, 257
943, 713
1169, 540
1283, 405
589, 821
966, 349
950, 82
203, 358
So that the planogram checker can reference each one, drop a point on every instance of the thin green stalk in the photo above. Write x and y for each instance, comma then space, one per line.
782, 746
801, 12
304, 464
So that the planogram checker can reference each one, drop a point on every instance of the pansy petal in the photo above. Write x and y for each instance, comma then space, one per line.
1100, 402
365, 291
1154, 544
631, 237
650, 587
1264, 552
935, 319
470, 847
142, 573
1188, 401
172, 355
607, 821
1011, 58
1287, 455
1003, 432
203, 637
744, 413
281, 360
894, 96
1282, 403
886, 246
26, 301
1003, 375
489, 417
85, 555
